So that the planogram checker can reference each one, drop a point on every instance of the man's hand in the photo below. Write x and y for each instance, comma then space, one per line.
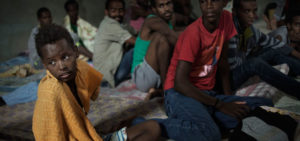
236, 109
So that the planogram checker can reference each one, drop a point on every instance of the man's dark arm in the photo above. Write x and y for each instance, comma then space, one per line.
224, 70
185, 87
156, 24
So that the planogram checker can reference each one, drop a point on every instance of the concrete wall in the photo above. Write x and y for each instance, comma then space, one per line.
18, 17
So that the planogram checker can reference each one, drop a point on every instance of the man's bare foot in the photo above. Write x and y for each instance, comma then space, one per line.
153, 93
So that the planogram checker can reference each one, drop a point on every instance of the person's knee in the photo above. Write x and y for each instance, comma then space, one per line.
156, 36
213, 132
121, 75
153, 128
142, 86
207, 131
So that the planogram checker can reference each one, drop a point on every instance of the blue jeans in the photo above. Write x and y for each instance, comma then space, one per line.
23, 94
123, 71
276, 57
190, 120
260, 66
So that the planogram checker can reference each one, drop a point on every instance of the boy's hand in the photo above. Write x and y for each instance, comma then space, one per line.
236, 109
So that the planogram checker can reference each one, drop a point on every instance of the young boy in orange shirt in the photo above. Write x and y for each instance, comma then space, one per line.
65, 92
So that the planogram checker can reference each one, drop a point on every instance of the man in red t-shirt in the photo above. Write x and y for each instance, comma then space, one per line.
190, 102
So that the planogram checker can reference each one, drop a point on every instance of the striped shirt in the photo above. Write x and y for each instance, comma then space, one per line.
249, 43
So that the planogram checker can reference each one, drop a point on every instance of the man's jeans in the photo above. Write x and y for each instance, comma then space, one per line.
190, 120
276, 57
260, 66
123, 71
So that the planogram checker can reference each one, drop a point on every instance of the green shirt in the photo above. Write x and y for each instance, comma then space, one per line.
140, 49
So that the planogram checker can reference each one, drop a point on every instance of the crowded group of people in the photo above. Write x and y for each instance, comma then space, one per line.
166, 53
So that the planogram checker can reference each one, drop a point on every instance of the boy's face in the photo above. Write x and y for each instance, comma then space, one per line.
247, 13
60, 59
164, 9
72, 12
116, 11
45, 18
294, 29
212, 9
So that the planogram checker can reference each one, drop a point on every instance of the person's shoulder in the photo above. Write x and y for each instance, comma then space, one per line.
86, 70
194, 28
35, 30
109, 25
107, 20
153, 19
49, 87
82, 22
226, 17
226, 13
90, 76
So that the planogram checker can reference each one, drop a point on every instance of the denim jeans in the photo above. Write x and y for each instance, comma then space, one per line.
260, 66
276, 57
190, 120
23, 94
123, 71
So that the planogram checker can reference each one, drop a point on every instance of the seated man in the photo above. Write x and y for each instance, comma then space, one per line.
190, 103
85, 31
44, 17
290, 34
153, 47
19, 96
252, 53
111, 56
64, 94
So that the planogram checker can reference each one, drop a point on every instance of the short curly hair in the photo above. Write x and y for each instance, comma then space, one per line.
107, 3
71, 2
49, 34
42, 10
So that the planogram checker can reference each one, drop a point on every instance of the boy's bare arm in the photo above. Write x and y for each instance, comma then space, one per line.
224, 70
185, 87
156, 24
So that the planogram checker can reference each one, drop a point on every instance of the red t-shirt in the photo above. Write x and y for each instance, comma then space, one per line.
203, 50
